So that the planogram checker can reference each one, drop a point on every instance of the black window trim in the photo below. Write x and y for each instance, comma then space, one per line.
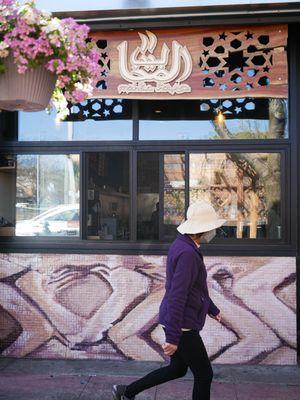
232, 246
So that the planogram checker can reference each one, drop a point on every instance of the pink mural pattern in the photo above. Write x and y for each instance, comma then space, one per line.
106, 307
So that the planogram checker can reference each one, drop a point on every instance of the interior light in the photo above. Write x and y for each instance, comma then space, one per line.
220, 117
157, 111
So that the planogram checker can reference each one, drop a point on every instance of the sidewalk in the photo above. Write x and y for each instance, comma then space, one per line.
25, 379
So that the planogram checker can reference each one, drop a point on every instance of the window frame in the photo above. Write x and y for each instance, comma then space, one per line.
81, 244
83, 206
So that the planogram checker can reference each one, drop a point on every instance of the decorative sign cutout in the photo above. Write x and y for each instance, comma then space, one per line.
193, 63
112, 109
145, 67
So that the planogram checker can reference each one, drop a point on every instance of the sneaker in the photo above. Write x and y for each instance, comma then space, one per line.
118, 393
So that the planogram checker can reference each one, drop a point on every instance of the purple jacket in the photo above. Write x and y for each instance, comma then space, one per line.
186, 301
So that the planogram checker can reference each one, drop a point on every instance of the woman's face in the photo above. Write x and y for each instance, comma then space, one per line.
196, 237
203, 236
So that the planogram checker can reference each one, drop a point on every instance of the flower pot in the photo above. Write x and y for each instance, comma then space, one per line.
30, 91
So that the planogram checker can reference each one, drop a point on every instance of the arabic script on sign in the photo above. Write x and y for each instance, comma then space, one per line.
147, 73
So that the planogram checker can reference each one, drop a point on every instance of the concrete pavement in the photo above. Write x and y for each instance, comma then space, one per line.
32, 379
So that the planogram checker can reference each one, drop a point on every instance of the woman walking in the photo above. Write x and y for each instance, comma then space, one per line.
184, 307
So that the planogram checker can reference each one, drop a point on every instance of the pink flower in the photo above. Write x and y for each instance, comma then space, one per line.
6, 3
55, 65
22, 69
35, 38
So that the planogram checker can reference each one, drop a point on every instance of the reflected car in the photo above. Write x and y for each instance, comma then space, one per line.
62, 220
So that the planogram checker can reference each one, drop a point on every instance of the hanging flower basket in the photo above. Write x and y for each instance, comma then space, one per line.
43, 58
30, 91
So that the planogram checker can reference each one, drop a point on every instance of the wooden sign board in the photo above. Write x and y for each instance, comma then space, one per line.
193, 63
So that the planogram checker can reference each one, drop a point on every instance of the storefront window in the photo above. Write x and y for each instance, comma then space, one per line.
237, 118
112, 119
160, 211
174, 194
39, 195
244, 187
148, 196
108, 196
97, 119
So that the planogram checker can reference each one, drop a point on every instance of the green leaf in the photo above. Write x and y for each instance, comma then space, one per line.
2, 68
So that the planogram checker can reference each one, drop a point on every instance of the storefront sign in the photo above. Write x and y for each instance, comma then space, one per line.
191, 63
146, 68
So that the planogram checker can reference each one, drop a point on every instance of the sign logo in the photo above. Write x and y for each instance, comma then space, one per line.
146, 73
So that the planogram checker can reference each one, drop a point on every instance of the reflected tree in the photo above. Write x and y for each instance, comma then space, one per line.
252, 201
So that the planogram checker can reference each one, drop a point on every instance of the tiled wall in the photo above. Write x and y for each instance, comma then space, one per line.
106, 306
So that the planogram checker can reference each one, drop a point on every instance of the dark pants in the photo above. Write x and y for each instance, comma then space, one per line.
190, 353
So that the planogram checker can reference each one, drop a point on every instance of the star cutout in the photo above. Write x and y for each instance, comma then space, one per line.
222, 36
106, 113
266, 69
86, 113
249, 35
219, 73
238, 109
236, 60
205, 52
223, 86
104, 55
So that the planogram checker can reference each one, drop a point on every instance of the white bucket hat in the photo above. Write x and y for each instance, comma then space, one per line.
201, 217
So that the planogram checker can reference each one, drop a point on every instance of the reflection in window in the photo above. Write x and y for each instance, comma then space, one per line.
148, 196
108, 196
7, 195
149, 201
174, 194
95, 119
238, 118
45, 192
245, 190
35, 126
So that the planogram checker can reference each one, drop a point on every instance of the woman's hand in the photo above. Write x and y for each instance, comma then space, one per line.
169, 348
217, 317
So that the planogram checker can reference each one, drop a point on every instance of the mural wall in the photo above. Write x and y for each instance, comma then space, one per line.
106, 306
